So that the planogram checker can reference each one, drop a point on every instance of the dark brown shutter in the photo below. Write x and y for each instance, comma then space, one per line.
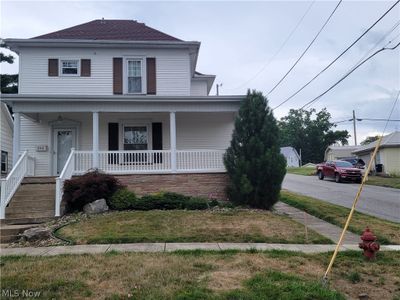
113, 141
117, 75
151, 75
53, 67
157, 141
85, 67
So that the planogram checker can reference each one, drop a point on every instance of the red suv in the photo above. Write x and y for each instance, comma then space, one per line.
339, 170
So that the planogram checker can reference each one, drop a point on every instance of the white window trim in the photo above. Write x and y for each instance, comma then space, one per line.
125, 74
69, 75
147, 124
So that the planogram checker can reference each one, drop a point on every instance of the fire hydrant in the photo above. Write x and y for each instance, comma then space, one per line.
369, 244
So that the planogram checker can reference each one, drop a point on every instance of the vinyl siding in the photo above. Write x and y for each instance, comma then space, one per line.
390, 158
172, 71
204, 130
6, 136
198, 88
194, 131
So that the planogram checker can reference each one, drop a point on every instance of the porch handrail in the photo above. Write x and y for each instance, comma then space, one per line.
66, 173
25, 166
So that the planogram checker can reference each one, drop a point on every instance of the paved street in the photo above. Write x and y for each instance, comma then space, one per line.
375, 200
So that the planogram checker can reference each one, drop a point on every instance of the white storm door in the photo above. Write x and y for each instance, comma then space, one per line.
64, 140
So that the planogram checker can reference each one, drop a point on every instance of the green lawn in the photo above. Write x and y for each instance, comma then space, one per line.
234, 225
393, 182
203, 275
386, 231
301, 171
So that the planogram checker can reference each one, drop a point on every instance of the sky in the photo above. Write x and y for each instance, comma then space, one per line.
240, 42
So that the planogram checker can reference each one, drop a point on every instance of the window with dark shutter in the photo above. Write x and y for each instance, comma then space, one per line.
85, 67
117, 75
151, 75
53, 67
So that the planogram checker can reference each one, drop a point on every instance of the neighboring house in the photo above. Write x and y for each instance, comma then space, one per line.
334, 152
6, 136
388, 155
292, 157
122, 97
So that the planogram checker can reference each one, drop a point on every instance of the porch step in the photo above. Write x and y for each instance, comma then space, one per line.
34, 202
23, 221
39, 179
10, 233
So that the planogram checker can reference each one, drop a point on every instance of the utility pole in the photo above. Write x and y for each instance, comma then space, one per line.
354, 128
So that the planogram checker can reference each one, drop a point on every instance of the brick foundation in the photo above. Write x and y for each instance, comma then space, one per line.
187, 184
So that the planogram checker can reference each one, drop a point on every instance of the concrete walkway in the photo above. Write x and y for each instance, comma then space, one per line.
324, 228
170, 247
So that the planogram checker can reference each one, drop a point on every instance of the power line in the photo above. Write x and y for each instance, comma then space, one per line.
308, 47
347, 74
339, 56
367, 119
278, 51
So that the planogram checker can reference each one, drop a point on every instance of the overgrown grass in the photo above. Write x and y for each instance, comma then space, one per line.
302, 171
203, 275
386, 231
392, 182
235, 225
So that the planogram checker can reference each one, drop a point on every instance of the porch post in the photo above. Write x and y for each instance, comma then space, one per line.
172, 134
16, 137
95, 139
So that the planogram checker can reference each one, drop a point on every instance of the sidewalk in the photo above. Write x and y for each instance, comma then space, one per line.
324, 228
170, 247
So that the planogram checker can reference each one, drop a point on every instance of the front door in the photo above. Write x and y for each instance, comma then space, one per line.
64, 140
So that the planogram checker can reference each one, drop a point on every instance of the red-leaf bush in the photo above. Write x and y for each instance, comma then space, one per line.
87, 188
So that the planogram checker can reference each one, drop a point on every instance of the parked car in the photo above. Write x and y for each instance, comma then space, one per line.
356, 162
339, 170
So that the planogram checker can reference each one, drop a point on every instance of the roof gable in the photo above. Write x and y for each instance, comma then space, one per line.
122, 30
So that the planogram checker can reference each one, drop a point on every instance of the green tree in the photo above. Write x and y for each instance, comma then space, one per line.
253, 161
369, 139
8, 82
310, 131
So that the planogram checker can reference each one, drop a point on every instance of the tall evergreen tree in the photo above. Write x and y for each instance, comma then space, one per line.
253, 161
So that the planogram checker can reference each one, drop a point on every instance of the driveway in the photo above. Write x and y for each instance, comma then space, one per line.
377, 201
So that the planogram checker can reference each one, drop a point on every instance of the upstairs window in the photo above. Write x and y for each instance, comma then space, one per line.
69, 67
134, 76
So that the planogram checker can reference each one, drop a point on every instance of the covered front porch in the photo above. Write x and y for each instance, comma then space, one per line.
63, 136
125, 143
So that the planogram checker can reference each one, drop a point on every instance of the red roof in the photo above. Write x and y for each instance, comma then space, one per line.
126, 30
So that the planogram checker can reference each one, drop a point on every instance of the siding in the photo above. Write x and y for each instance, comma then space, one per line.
6, 135
390, 158
172, 71
204, 130
194, 131
198, 88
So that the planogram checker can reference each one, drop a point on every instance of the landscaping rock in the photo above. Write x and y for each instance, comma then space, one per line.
96, 207
36, 233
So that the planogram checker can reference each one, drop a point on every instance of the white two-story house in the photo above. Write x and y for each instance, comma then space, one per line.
121, 97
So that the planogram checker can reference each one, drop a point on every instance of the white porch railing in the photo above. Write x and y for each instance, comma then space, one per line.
139, 162
25, 166
66, 173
